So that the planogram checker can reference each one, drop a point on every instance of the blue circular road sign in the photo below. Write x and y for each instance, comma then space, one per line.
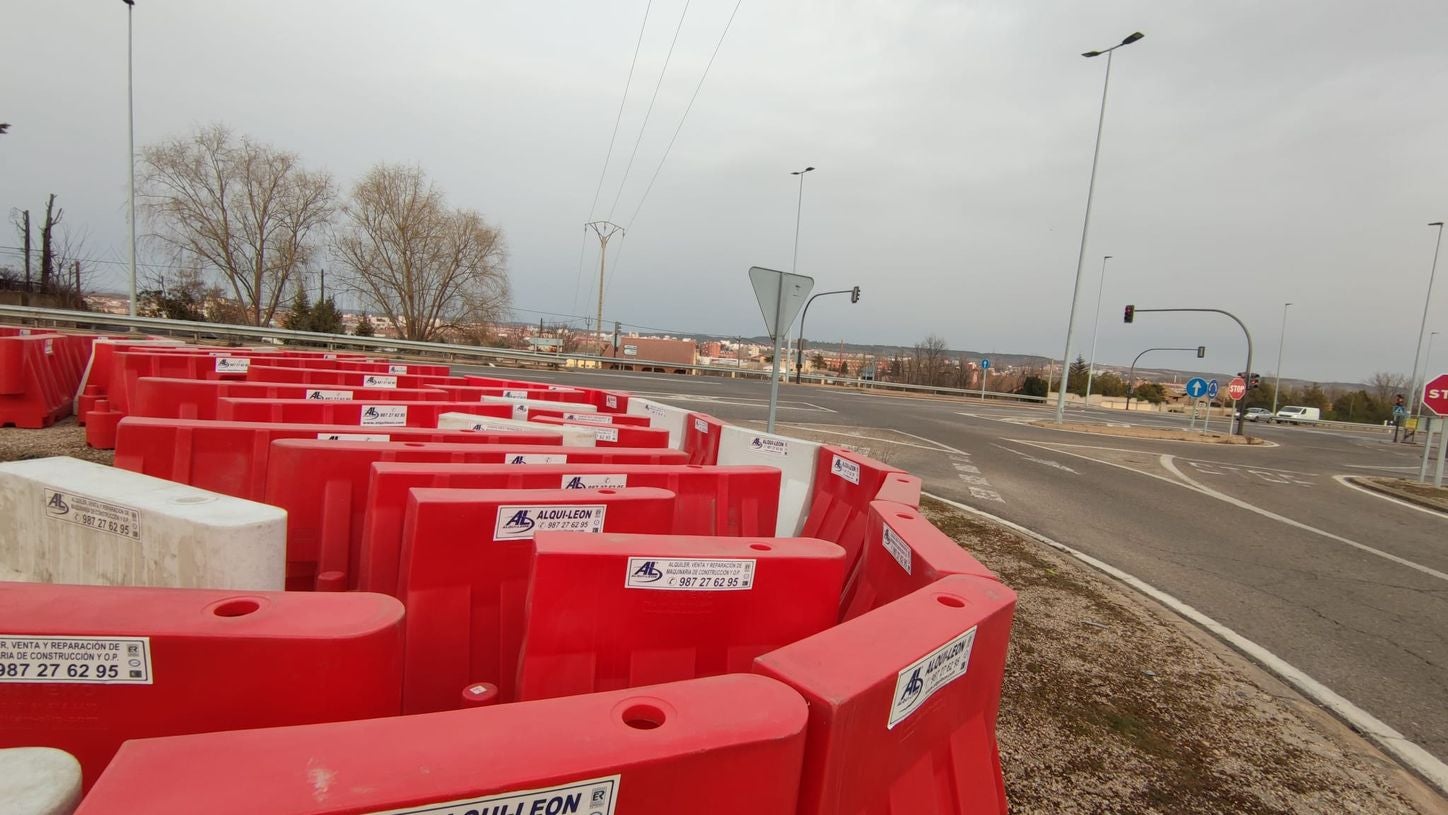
1212, 388
1196, 387
985, 363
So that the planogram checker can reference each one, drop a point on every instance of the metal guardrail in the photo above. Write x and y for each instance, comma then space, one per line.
56, 318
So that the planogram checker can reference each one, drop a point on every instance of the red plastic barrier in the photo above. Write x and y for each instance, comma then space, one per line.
197, 398
611, 435
390, 367
701, 438
231, 457
88, 667
405, 413
663, 608
729, 501
903, 553
613, 419
323, 487
844, 485
901, 488
903, 703
345, 379
466, 556
39, 374
129, 366
610, 401
720, 746
103, 358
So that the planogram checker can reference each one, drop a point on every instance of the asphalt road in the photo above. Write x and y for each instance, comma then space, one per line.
1349, 587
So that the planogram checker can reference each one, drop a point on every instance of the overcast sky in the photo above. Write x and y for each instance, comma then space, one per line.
1254, 153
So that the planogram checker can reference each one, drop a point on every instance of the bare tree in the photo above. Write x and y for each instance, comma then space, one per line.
430, 269
929, 362
247, 210
1386, 385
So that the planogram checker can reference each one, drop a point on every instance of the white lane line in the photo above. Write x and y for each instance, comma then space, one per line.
1409, 468
1346, 481
1029, 457
1390, 739
1170, 465
818, 429
740, 401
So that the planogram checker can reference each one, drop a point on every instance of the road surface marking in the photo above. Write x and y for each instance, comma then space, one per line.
1271, 476
819, 429
1346, 481
1379, 731
1409, 468
1029, 457
736, 401
1170, 465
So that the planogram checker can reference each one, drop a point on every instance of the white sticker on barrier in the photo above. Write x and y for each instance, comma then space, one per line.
557, 387
28, 660
921, 679
329, 356
607, 434
610, 401
353, 437
233, 365
93, 514
588, 418
520, 522
329, 396
593, 797
513, 394
520, 411
655, 410
897, 547
689, 574
536, 458
24, 332
384, 415
49, 347
846, 469
595, 482
397, 369
376, 381
700, 425
765, 444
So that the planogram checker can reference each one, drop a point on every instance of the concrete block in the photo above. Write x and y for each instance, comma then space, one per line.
38, 781
73, 521
659, 414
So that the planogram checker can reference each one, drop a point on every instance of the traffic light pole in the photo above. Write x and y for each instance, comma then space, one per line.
799, 346
1240, 429
1131, 376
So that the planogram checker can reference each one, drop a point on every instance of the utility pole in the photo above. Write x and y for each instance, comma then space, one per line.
25, 221
604, 230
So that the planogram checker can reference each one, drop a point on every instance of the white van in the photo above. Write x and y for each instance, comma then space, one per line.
1298, 415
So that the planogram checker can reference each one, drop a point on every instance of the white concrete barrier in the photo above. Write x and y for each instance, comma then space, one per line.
63, 520
38, 781
572, 436
794, 458
668, 417
522, 406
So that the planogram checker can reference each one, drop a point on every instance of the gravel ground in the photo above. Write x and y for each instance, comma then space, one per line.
64, 438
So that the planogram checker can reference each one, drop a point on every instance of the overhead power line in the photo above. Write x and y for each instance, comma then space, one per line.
643, 127
619, 118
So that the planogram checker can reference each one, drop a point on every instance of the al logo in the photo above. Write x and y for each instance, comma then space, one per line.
648, 572
520, 520
912, 689
57, 504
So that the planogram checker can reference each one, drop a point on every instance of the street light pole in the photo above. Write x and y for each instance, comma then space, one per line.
798, 207
1423, 326
1281, 341
1086, 225
799, 346
131, 144
1096, 329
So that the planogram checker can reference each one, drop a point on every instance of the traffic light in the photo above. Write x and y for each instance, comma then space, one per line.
1130, 313
1201, 351
855, 295
1254, 381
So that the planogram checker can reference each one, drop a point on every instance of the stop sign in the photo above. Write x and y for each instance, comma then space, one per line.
1237, 388
1435, 395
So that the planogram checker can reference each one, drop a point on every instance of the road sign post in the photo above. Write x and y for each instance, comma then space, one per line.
1435, 398
1212, 388
780, 295
984, 372
1196, 389
1237, 390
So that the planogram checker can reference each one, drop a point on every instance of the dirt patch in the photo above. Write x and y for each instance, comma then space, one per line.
1425, 494
1111, 705
1163, 433
64, 438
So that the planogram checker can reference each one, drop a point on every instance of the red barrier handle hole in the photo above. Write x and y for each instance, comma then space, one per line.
643, 717
905, 515
762, 547
239, 607
608, 492
412, 444
948, 600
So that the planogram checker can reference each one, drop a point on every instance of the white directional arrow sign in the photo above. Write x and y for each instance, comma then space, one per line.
781, 295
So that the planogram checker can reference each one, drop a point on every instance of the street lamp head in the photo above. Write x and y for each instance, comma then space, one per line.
1092, 54
1436, 223
129, 2
801, 172
1107, 257
1133, 38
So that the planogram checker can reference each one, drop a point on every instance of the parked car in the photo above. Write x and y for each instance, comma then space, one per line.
1298, 415
1257, 415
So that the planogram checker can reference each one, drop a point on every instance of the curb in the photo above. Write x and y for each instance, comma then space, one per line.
1406, 497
